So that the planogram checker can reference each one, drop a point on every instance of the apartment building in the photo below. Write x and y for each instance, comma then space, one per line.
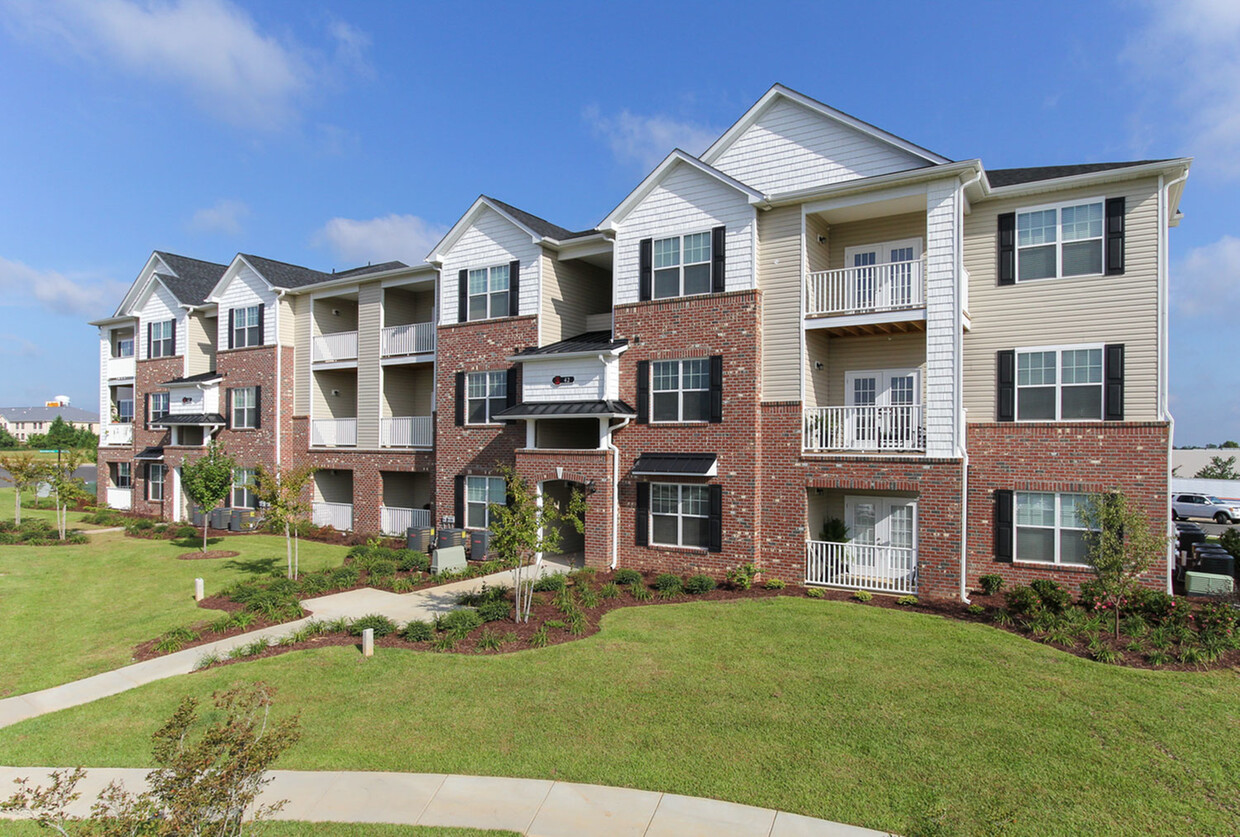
24, 422
812, 321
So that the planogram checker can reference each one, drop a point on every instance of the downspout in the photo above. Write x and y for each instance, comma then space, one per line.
615, 491
280, 292
1164, 411
961, 448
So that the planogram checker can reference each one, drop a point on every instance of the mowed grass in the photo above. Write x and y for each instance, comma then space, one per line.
309, 829
68, 612
28, 497
875, 717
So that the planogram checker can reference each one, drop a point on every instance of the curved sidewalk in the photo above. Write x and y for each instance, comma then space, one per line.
527, 806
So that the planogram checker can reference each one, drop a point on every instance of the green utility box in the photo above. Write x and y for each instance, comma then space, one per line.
1207, 584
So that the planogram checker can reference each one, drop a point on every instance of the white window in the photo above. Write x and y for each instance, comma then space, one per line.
245, 408
480, 494
247, 328
154, 482
679, 514
124, 475
161, 340
1059, 384
488, 292
159, 406
1057, 241
1050, 528
124, 347
243, 489
681, 390
486, 393
682, 265
124, 410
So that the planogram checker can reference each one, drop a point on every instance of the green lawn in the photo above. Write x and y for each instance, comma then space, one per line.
6, 510
68, 612
881, 718
311, 829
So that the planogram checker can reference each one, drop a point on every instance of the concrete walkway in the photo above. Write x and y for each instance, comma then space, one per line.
527, 806
401, 608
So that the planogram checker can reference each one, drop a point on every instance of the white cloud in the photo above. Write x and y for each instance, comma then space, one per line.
1207, 280
213, 48
74, 296
224, 217
646, 139
18, 346
406, 238
1186, 53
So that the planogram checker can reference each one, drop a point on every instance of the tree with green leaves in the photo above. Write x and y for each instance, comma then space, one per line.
207, 481
66, 487
1122, 543
24, 472
1219, 469
7, 440
282, 494
61, 434
523, 529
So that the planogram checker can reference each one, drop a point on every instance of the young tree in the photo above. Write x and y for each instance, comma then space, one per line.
200, 787
1219, 469
523, 529
67, 488
24, 471
207, 481
60, 434
1121, 544
7, 440
282, 494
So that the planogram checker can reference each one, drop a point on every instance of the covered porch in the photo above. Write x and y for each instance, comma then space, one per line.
861, 540
407, 498
333, 499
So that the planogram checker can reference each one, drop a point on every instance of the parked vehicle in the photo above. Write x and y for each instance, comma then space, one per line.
1202, 505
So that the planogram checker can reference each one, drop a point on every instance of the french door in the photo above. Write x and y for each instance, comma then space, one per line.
872, 427
883, 272
884, 537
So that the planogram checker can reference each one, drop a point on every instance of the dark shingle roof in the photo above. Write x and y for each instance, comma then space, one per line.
191, 418
285, 275
370, 268
193, 379
566, 409
539, 225
152, 453
47, 414
591, 341
194, 278
1012, 177
693, 464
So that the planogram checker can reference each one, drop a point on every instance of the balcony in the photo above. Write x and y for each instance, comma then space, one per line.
406, 432
409, 339
394, 521
117, 434
874, 291
339, 516
333, 433
884, 569
335, 348
869, 428
120, 368
120, 498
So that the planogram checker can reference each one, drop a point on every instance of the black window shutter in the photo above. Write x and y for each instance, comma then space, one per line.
514, 288
459, 499
228, 409
1115, 236
150, 335
645, 268
718, 281
1007, 248
460, 399
1003, 525
1006, 408
643, 392
147, 416
172, 332
641, 523
258, 404
462, 297
714, 537
716, 389
232, 319
262, 324
513, 391
146, 485
1113, 364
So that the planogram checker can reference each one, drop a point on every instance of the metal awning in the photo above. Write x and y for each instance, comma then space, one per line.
212, 419
676, 465
566, 409
151, 454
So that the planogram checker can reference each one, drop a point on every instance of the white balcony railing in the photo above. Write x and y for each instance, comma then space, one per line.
120, 368
329, 348
406, 432
120, 498
899, 427
858, 290
333, 433
394, 521
886, 569
411, 339
118, 434
339, 516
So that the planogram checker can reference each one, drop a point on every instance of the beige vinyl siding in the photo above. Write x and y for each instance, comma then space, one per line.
327, 322
327, 405
817, 253
287, 326
572, 291
301, 355
369, 314
877, 351
1050, 312
779, 277
874, 231
407, 390
201, 350
402, 306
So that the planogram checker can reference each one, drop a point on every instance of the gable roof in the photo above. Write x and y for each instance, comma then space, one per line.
538, 229
779, 91
1012, 177
677, 157
47, 413
191, 279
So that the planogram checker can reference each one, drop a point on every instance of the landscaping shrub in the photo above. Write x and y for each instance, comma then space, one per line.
343, 577
474, 598
639, 592
458, 623
175, 639
814, 592
403, 585
314, 585
539, 638
668, 583
75, 539
380, 624
775, 584
1022, 600
1052, 595
975, 610
991, 584
863, 595
376, 559
907, 601
550, 584
444, 642
418, 631
489, 640
413, 561
1230, 541
741, 577
698, 584
494, 611
588, 597
626, 577
1216, 620
381, 567
104, 517
382, 582
610, 590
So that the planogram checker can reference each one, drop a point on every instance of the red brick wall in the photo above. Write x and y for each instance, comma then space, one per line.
581, 466
149, 376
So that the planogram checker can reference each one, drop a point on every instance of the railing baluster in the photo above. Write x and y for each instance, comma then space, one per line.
891, 286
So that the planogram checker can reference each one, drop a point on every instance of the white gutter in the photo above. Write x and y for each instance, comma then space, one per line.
615, 491
280, 292
1164, 351
962, 449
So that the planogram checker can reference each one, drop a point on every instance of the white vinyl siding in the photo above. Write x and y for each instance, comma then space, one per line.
369, 373
244, 290
491, 240
160, 306
779, 277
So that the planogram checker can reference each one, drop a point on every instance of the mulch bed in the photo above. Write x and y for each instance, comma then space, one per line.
208, 555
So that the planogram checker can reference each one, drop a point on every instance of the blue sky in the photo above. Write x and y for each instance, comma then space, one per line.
330, 133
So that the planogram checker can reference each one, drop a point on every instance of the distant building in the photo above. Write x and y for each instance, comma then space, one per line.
24, 422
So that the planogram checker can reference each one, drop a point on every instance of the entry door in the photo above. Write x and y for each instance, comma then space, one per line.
878, 428
885, 530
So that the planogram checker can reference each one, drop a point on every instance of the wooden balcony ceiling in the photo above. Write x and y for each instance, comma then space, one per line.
901, 327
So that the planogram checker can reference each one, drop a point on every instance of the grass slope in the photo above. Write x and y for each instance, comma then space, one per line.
880, 718
6, 510
68, 612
